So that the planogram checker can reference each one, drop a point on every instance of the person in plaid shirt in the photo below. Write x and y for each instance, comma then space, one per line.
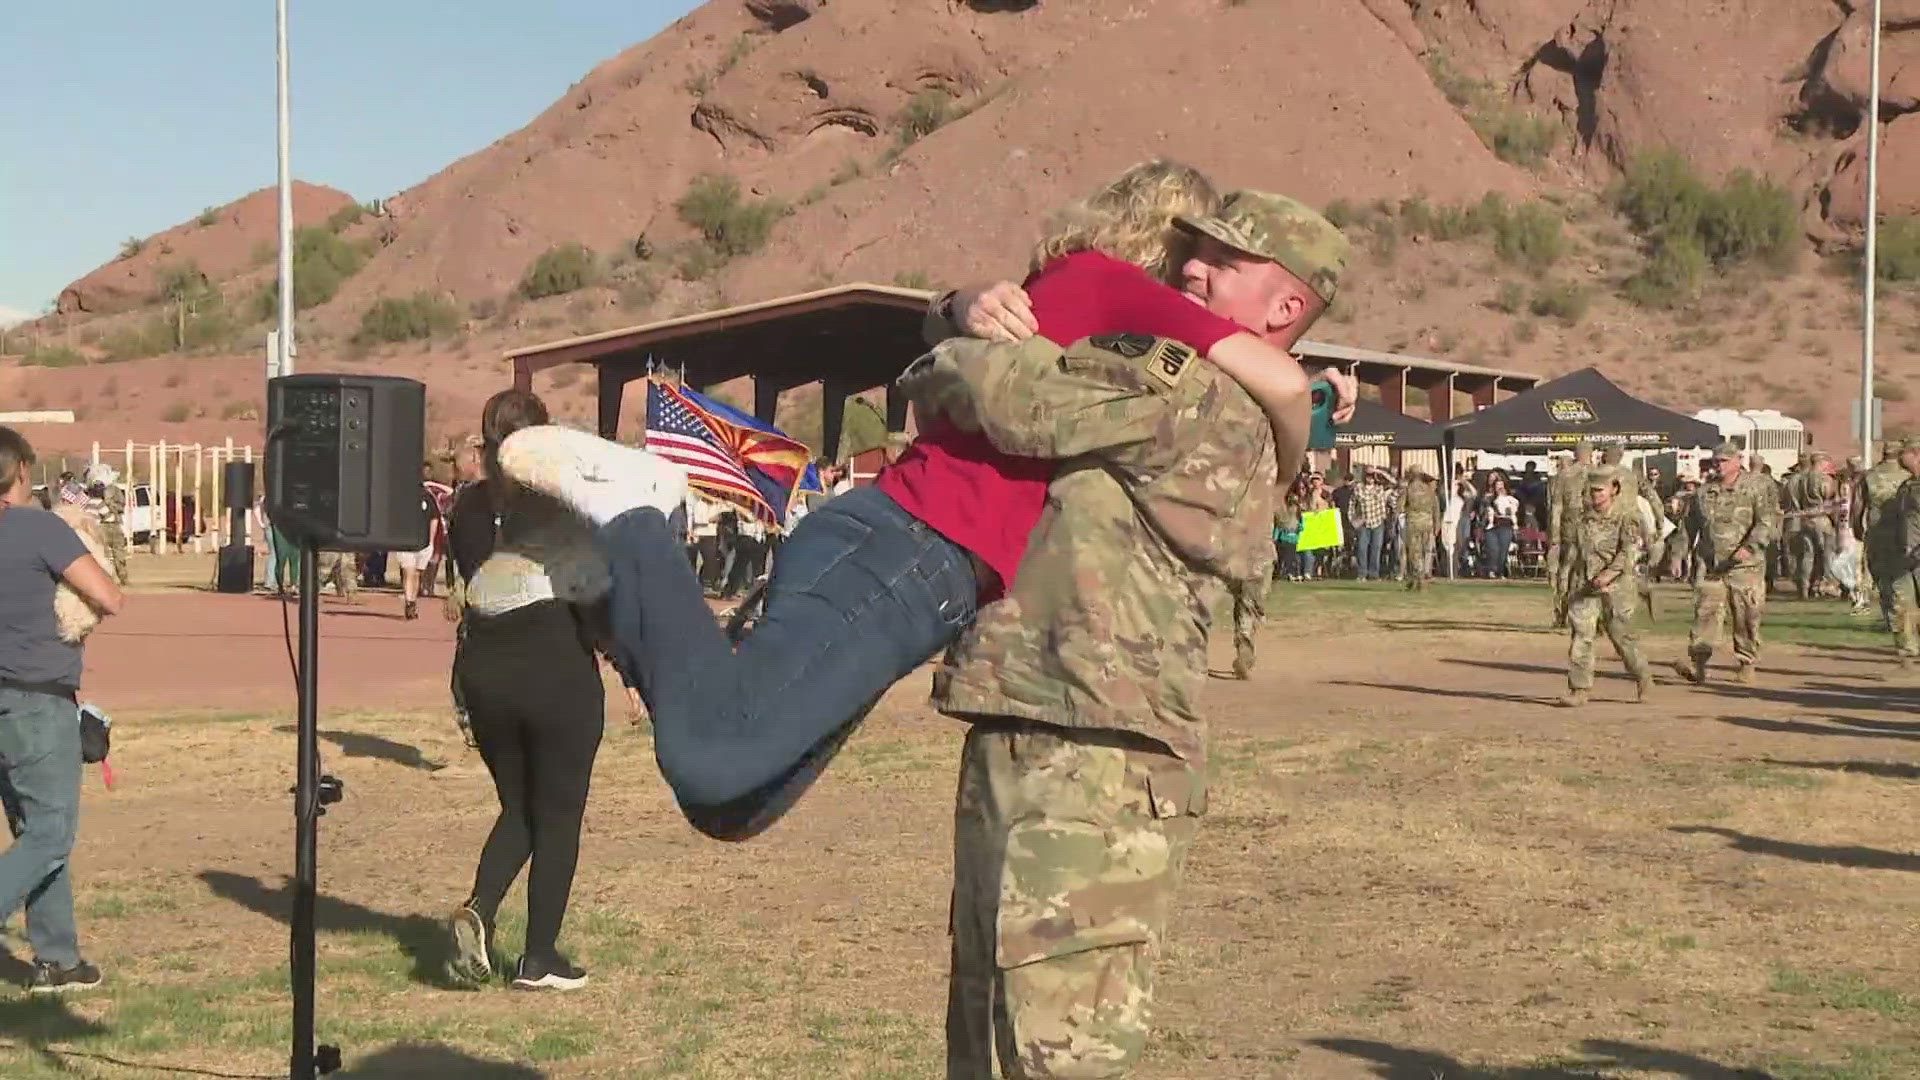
1372, 502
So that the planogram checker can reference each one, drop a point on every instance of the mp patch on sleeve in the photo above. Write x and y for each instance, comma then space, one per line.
1169, 360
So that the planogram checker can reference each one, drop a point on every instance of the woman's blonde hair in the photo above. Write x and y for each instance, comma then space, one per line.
1131, 219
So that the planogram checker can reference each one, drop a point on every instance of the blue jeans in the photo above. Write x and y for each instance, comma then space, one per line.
1367, 550
860, 595
40, 787
1499, 542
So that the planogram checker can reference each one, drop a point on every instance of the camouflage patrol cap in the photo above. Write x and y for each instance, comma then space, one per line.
1583, 447
1726, 451
1604, 477
1282, 229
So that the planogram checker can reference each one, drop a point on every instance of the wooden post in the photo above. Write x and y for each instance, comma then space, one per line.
156, 495
199, 498
179, 481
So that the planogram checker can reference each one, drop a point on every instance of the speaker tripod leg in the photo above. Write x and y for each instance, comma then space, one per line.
312, 793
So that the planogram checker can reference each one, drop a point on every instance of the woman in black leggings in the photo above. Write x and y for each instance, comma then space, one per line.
527, 673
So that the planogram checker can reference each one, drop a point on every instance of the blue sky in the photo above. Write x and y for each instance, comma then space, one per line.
125, 117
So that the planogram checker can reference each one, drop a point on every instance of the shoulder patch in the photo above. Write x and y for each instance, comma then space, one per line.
1131, 346
1168, 361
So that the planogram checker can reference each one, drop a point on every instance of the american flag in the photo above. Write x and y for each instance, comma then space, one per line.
682, 432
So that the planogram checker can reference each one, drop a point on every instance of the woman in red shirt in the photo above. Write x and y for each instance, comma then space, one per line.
874, 582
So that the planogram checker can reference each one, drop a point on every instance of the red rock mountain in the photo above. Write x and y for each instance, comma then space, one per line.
805, 101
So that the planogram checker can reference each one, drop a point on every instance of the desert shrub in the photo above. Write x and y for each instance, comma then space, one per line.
1530, 236
1897, 249
1749, 218
1661, 194
924, 113
345, 217
1511, 297
1516, 135
322, 262
730, 225
1560, 300
560, 269
207, 217
239, 410
53, 356
131, 246
177, 413
1342, 214
409, 318
1673, 274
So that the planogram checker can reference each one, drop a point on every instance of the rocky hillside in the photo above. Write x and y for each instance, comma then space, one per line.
758, 147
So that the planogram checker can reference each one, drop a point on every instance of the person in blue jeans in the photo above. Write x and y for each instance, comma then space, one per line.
39, 719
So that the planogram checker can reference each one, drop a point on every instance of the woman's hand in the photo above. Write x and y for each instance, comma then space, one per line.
1001, 311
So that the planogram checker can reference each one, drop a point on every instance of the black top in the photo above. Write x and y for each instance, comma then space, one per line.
471, 529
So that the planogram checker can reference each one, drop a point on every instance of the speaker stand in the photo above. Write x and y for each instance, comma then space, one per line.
312, 794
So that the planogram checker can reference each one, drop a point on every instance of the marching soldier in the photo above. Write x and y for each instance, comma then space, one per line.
1735, 516
1877, 528
1564, 493
1604, 545
1905, 565
108, 515
1808, 498
1422, 503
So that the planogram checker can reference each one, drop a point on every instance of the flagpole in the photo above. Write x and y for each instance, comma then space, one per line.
1873, 237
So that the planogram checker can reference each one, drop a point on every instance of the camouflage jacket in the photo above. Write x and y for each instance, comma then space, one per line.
1726, 519
1165, 497
1596, 544
1422, 500
1906, 511
1878, 487
1563, 500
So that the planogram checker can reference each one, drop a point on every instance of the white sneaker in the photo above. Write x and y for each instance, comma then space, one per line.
599, 480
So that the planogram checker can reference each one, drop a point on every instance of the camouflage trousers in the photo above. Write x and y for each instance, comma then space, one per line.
1249, 611
1557, 575
1741, 596
1611, 611
1813, 548
1882, 563
1906, 614
116, 549
341, 570
1419, 569
1067, 848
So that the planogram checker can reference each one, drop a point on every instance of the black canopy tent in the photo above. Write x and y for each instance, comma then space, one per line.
1582, 405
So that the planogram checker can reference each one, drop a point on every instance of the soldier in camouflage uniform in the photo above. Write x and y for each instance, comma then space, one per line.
1904, 567
1422, 502
342, 570
1564, 492
1604, 545
1808, 501
1878, 529
1734, 517
107, 514
1083, 777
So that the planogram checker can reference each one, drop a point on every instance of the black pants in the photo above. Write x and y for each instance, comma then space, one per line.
534, 698
749, 561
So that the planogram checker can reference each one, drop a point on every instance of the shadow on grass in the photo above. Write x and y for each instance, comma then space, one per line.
1601, 1056
362, 745
1439, 691
434, 1061
35, 1024
1885, 770
421, 939
1858, 729
1851, 855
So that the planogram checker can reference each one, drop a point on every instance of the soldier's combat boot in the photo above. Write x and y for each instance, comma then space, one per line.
1744, 675
1573, 699
1693, 669
1642, 686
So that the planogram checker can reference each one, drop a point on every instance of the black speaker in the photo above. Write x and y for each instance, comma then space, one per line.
237, 480
343, 460
235, 574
